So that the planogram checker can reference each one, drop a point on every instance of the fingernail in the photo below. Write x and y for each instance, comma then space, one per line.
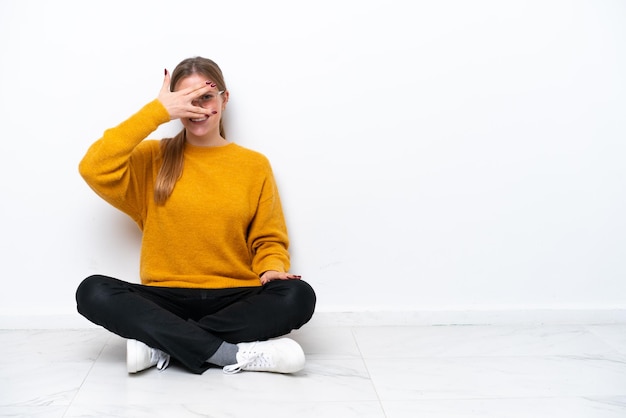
166, 71
213, 85
214, 112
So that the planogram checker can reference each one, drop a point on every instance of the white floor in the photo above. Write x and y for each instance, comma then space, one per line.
362, 372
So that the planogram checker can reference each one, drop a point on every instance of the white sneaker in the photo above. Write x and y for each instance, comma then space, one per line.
279, 356
140, 357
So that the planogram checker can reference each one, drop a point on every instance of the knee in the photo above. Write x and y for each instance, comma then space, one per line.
302, 299
91, 293
305, 293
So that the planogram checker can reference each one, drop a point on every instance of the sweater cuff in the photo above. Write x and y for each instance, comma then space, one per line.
158, 111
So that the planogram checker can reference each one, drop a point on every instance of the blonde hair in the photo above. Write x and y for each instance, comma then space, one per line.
172, 149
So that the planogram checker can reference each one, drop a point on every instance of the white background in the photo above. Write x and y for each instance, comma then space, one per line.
431, 155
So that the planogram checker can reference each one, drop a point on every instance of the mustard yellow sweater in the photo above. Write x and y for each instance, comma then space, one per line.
223, 225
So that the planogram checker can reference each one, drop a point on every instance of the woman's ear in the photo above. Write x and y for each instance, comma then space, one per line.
225, 95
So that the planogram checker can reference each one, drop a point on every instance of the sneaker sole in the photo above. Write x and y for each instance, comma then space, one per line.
131, 359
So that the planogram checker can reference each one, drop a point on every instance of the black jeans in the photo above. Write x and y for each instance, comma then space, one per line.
191, 324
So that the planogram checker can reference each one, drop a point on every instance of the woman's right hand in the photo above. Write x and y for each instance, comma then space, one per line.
179, 103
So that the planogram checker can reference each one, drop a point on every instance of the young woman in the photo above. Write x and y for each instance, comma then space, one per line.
215, 283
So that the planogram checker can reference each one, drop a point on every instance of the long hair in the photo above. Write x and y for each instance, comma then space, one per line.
172, 149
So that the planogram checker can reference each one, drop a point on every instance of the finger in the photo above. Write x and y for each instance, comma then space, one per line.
166, 82
198, 90
195, 111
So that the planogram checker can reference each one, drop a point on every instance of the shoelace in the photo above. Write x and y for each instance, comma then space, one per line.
252, 359
162, 359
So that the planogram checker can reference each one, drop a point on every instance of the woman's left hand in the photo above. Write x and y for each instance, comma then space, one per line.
270, 275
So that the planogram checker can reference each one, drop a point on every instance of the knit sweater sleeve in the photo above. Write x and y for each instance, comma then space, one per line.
268, 238
116, 167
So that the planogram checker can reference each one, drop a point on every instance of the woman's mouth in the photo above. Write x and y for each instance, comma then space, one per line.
199, 119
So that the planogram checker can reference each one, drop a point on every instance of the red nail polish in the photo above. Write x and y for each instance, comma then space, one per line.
213, 85
208, 82
166, 71
214, 112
